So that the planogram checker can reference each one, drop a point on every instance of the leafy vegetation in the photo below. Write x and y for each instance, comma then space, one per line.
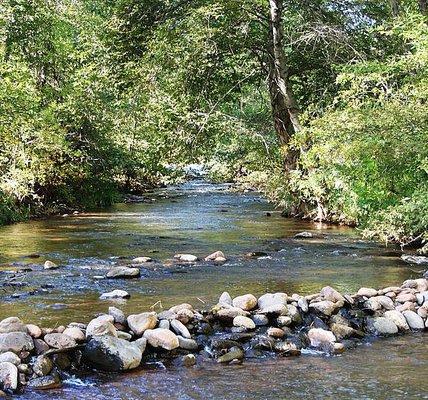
321, 104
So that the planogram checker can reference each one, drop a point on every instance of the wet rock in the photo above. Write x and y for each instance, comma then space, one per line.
45, 382
62, 361
42, 366
139, 323
244, 322
414, 320
325, 307
338, 348
284, 320
225, 298
189, 360
275, 332
102, 325
75, 333
115, 294
59, 341
303, 235
367, 292
331, 294
16, 342
109, 353
414, 259
256, 254
142, 260
246, 302
180, 328
161, 338
12, 324
342, 331
40, 346
319, 337
187, 344
123, 272
260, 319
382, 326
216, 256
186, 257
50, 265
8, 376
235, 353
10, 357
398, 319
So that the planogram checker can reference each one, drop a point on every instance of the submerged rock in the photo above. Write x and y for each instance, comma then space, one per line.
234, 353
109, 353
45, 382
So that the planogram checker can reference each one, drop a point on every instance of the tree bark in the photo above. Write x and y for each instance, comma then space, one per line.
423, 6
284, 107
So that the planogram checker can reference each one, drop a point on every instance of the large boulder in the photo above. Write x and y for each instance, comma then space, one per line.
59, 341
414, 320
269, 299
16, 342
398, 319
12, 324
139, 323
8, 376
102, 325
325, 307
108, 353
320, 337
75, 333
382, 326
123, 272
163, 338
246, 302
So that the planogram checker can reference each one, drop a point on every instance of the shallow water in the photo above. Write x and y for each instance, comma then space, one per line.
200, 218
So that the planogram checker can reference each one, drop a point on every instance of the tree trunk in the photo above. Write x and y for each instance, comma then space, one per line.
423, 6
284, 108
395, 9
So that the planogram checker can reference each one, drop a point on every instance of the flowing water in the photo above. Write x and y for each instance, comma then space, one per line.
199, 218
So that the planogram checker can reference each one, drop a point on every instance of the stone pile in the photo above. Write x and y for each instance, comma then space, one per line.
235, 328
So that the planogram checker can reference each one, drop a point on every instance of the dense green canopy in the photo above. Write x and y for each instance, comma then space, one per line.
100, 97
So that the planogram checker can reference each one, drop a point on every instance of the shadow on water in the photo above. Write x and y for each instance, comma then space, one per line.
200, 218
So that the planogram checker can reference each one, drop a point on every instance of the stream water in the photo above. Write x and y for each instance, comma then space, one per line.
199, 218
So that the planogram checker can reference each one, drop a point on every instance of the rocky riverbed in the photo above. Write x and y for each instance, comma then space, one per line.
274, 324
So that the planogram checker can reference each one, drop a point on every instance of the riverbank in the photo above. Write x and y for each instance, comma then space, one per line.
274, 324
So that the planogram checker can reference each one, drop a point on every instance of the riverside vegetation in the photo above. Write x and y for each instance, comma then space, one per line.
100, 97
233, 329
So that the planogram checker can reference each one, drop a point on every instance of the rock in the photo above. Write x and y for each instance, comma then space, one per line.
123, 272
16, 342
331, 294
187, 344
225, 298
303, 304
102, 325
244, 322
398, 319
319, 337
42, 366
34, 331
215, 256
50, 265
367, 292
270, 299
176, 309
384, 301
414, 320
124, 335
421, 298
185, 315
246, 302
234, 353
139, 323
8, 376
141, 343
180, 329
383, 326
325, 307
167, 314
303, 235
404, 297
186, 257
414, 259
164, 324
12, 324
10, 357
142, 260
275, 332
75, 333
230, 313
109, 353
45, 382
62, 361
342, 331
59, 341
161, 338
284, 320
338, 348
40, 346
115, 294
189, 360
274, 310
260, 319
118, 315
